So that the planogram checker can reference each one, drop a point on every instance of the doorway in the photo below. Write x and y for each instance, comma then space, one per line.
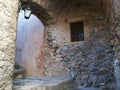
30, 45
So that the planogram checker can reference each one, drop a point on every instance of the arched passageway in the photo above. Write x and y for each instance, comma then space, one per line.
30, 45
89, 62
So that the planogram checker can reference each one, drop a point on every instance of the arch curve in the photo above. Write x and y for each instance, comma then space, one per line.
40, 12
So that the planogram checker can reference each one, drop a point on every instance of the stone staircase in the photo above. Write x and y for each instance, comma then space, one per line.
19, 72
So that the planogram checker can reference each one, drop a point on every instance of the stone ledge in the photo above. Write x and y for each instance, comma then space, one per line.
89, 88
35, 83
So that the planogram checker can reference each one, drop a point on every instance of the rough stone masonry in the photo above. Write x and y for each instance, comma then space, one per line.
92, 65
8, 18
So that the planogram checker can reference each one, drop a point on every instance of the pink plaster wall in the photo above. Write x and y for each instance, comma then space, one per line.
30, 45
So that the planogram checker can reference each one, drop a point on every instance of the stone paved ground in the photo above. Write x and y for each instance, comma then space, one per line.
35, 83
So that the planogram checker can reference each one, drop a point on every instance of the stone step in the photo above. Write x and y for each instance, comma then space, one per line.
88, 88
36, 83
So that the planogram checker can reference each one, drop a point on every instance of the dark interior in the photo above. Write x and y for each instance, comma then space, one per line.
77, 31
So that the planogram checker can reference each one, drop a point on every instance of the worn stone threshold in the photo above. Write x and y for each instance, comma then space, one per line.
37, 83
88, 88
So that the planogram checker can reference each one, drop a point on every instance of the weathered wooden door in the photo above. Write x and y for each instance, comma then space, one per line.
30, 45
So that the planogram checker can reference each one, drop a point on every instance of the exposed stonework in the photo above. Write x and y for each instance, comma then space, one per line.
58, 33
97, 52
53, 41
114, 25
90, 62
8, 18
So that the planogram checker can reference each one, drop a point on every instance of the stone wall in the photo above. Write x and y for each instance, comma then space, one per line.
8, 14
53, 67
90, 62
58, 34
112, 12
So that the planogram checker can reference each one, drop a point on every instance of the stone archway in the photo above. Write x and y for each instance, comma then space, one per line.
21, 54
30, 45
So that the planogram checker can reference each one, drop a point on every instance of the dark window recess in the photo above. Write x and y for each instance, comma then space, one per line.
77, 31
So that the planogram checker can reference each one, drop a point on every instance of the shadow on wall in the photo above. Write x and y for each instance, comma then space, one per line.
30, 45
40, 12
